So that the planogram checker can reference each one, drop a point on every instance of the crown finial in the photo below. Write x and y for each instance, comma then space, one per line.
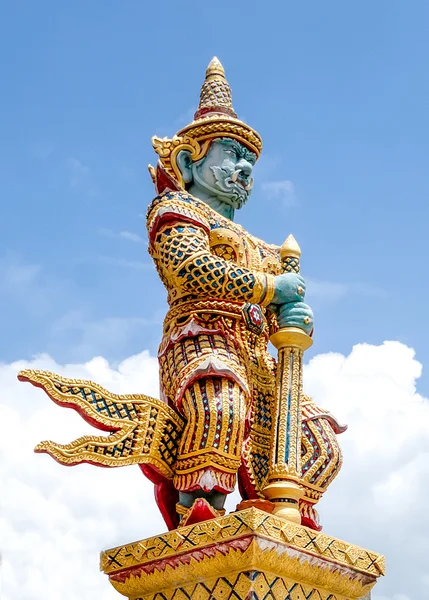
215, 68
215, 96
290, 248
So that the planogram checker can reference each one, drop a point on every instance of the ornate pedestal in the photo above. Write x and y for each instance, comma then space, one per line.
247, 555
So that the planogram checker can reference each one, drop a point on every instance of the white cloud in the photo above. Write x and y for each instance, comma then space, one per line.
87, 336
132, 237
30, 287
55, 315
125, 235
16, 277
282, 192
139, 265
54, 521
379, 499
78, 171
329, 291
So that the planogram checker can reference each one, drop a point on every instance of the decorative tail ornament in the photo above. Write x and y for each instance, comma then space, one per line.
285, 471
142, 430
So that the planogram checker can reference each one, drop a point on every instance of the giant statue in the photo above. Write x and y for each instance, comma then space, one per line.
229, 412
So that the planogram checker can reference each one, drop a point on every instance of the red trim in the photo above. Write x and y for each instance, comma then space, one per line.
218, 110
170, 217
80, 411
240, 544
307, 522
164, 181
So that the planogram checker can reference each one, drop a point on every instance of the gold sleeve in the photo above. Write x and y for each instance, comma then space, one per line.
180, 247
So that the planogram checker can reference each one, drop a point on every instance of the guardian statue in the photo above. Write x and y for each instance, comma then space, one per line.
217, 422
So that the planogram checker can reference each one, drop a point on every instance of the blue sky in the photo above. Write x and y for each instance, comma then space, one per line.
340, 94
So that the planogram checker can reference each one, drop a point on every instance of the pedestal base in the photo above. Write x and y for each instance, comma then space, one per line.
247, 555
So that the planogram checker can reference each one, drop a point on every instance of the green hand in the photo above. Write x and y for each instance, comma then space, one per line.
289, 287
296, 314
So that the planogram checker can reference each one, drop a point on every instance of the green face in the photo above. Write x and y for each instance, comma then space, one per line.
226, 172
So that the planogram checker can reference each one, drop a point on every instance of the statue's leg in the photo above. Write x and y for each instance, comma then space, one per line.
215, 499
211, 445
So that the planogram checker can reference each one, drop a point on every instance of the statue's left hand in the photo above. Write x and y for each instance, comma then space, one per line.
295, 314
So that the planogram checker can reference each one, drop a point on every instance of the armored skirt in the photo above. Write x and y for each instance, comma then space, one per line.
212, 369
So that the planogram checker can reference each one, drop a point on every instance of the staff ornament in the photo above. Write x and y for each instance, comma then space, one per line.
229, 413
285, 468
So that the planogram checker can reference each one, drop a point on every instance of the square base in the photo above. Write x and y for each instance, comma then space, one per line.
246, 555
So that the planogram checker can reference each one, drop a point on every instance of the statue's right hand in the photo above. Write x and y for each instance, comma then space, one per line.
288, 287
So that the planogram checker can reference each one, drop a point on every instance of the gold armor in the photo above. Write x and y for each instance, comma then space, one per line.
214, 369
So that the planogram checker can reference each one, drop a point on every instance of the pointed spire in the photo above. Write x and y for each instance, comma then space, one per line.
290, 248
215, 68
215, 96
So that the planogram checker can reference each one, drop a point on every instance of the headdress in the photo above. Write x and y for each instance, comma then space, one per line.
214, 118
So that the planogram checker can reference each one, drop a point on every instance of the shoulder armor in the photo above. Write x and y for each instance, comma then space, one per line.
176, 206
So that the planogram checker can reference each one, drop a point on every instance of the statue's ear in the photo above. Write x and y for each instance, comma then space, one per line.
184, 162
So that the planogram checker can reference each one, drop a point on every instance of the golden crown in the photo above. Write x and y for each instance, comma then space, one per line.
214, 118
